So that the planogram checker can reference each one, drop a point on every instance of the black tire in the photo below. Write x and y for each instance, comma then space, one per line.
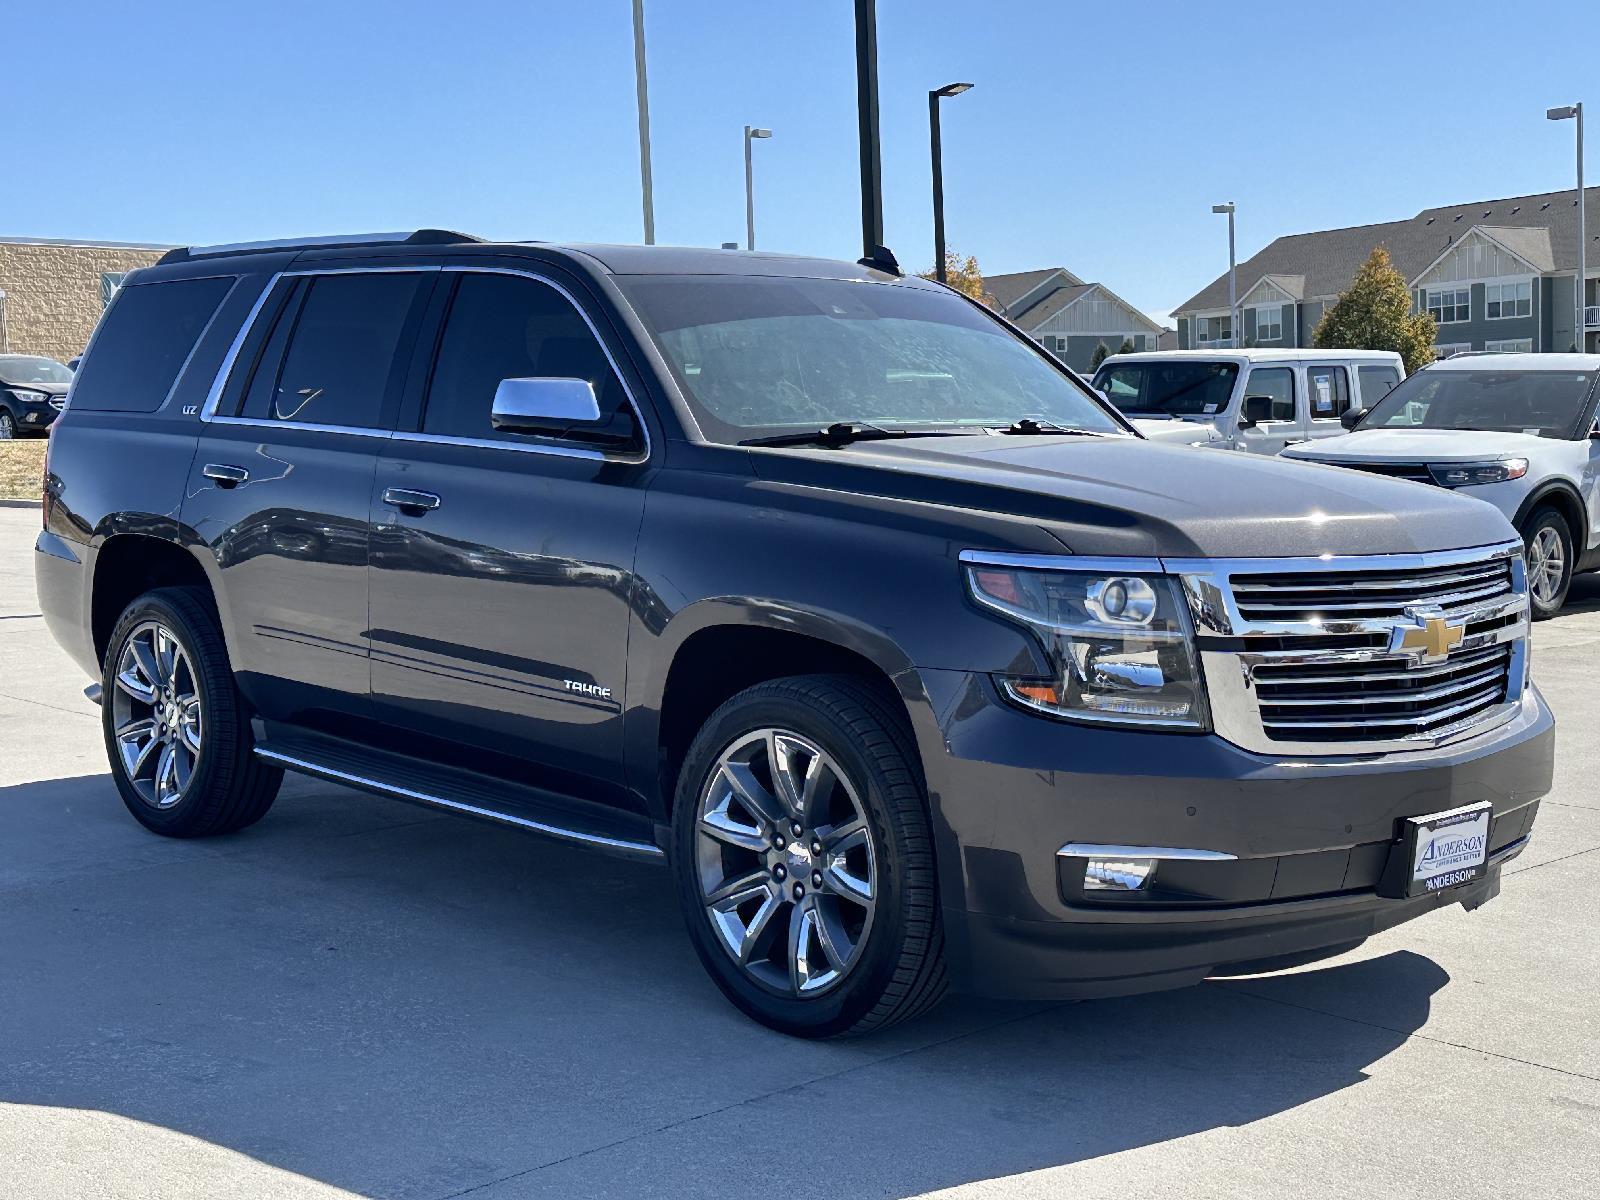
8, 425
900, 970
1541, 520
230, 787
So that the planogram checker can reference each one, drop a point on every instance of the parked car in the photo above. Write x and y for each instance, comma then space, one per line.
910, 658
1516, 430
32, 391
1257, 400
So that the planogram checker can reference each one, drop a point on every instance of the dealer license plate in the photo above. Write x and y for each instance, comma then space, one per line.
1448, 849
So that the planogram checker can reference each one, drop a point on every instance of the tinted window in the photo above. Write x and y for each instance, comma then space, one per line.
1330, 392
1547, 403
1376, 383
1277, 382
507, 327
147, 337
1174, 388
342, 351
767, 355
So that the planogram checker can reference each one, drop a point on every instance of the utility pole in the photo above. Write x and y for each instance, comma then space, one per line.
867, 118
750, 133
936, 146
642, 87
1235, 334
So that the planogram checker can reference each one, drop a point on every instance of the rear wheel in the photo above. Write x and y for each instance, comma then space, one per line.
1548, 542
804, 859
176, 730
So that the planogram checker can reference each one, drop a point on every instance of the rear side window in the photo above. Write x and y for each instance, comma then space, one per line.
1330, 391
148, 335
1376, 383
342, 350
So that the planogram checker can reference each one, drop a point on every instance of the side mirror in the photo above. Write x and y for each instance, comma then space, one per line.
1256, 410
1351, 417
548, 406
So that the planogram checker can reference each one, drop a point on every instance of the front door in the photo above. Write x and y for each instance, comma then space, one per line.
281, 485
503, 564
1284, 426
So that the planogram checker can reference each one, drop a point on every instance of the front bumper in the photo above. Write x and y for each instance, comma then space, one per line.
1311, 839
35, 418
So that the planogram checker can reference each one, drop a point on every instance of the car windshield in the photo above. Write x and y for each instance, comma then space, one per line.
1547, 403
1175, 389
759, 356
22, 368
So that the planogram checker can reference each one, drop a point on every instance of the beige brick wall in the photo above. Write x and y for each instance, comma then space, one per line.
53, 293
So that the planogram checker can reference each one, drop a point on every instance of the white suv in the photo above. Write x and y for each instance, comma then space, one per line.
1517, 430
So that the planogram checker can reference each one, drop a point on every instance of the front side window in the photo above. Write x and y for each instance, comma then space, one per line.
1278, 383
1329, 389
342, 351
757, 356
1269, 323
1169, 388
1508, 299
1450, 305
509, 327
1547, 403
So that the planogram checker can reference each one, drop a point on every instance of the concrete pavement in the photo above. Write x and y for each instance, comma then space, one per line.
357, 997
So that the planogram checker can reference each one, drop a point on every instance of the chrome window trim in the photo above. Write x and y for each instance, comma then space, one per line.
208, 411
1165, 853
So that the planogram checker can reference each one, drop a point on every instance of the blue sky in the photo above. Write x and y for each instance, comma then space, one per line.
1097, 138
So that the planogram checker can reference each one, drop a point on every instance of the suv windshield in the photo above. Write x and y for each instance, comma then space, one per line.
1547, 403
1175, 389
770, 354
26, 369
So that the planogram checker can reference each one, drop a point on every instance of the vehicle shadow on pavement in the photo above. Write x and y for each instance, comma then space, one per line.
401, 1004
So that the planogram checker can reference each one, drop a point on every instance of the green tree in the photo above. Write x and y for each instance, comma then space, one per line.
1374, 313
1101, 353
965, 276
1126, 347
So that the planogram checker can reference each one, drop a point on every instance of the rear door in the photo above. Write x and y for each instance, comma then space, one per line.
500, 603
282, 482
1327, 398
1286, 424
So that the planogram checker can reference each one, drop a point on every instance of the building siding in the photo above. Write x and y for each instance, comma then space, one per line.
53, 293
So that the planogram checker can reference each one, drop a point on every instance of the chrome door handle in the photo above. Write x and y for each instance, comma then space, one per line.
225, 475
408, 500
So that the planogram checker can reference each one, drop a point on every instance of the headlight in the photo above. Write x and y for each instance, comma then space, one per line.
1469, 474
30, 397
1120, 647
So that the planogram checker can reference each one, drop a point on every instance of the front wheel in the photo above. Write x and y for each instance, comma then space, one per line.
8, 426
804, 859
1548, 545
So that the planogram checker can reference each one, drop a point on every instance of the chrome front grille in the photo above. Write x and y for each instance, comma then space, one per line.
1337, 655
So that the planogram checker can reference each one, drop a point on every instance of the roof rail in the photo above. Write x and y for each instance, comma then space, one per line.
419, 237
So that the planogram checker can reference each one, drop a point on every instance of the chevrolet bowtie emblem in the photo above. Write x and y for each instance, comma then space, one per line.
1429, 638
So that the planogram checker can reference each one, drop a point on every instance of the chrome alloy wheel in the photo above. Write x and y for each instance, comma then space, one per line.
1547, 565
156, 714
788, 875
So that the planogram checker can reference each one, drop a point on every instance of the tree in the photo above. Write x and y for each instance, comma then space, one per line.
966, 277
1374, 313
1101, 353
1126, 347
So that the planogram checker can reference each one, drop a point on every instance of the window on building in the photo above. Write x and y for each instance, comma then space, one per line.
1510, 346
1451, 349
1450, 305
1508, 299
1269, 323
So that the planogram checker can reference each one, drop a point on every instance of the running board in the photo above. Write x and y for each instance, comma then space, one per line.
532, 809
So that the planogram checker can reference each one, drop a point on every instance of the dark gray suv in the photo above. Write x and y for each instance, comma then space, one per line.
913, 661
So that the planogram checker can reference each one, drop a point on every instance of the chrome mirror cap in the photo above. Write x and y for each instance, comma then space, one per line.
543, 403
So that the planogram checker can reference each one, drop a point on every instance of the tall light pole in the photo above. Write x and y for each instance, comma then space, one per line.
867, 126
938, 94
642, 88
750, 135
1233, 276
1580, 338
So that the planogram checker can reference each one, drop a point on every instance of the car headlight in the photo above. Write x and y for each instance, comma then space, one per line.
28, 396
1470, 474
1120, 645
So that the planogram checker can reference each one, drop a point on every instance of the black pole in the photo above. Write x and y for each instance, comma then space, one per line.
867, 115
938, 186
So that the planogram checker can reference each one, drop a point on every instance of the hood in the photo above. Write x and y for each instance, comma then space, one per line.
49, 389
1418, 446
1123, 496
1177, 431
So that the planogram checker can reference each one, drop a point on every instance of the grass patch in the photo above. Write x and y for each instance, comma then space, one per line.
22, 468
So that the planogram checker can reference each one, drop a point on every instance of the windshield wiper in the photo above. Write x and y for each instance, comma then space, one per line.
1031, 426
842, 433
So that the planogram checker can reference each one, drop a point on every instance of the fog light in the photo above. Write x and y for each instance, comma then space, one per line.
1117, 874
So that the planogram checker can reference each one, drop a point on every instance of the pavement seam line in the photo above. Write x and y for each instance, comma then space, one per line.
76, 712
690, 1120
1523, 870
1421, 1037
